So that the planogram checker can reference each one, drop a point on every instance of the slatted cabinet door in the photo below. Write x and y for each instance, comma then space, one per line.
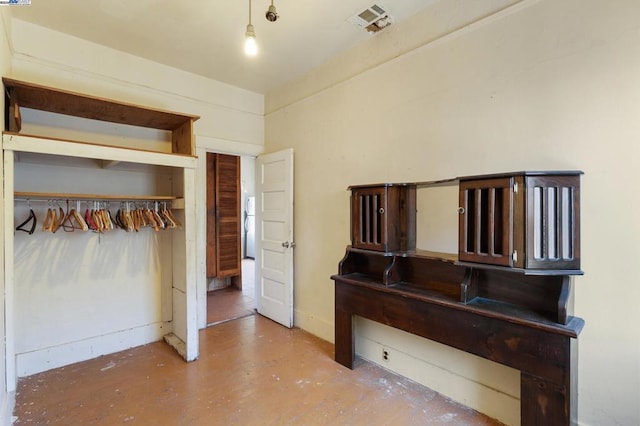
486, 221
212, 227
553, 231
369, 228
223, 216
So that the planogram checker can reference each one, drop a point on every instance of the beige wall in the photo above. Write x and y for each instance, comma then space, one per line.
547, 84
229, 115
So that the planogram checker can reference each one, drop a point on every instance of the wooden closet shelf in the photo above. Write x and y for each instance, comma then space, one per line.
94, 144
60, 195
36, 96
21, 94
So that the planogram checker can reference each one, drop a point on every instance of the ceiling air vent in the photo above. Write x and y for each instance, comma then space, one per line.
373, 19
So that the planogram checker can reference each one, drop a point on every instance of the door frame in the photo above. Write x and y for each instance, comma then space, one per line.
203, 146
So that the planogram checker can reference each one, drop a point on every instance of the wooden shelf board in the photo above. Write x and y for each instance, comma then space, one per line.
25, 135
445, 257
61, 195
524, 271
54, 146
45, 98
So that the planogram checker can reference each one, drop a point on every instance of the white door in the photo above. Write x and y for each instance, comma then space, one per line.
274, 236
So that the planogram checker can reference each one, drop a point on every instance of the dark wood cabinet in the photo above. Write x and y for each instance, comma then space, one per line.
527, 220
383, 217
505, 296
223, 216
524, 220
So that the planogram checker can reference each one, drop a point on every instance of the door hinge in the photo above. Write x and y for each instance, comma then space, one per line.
515, 256
515, 188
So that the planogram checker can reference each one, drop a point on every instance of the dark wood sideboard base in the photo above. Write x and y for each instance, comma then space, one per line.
545, 353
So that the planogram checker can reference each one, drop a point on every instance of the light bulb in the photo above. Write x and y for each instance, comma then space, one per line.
250, 45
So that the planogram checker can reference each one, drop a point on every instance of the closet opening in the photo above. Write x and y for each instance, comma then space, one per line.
230, 237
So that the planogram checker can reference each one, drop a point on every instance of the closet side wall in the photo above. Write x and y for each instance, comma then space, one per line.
6, 398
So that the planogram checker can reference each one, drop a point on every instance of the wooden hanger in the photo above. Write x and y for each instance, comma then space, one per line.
54, 219
169, 221
173, 218
80, 220
126, 219
57, 219
67, 223
159, 220
48, 220
108, 219
136, 218
152, 220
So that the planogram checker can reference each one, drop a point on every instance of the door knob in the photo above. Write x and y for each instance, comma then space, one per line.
288, 244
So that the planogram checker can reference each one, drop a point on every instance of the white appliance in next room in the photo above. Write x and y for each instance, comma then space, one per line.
249, 228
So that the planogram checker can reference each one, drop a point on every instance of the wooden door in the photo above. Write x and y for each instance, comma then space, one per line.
223, 216
274, 236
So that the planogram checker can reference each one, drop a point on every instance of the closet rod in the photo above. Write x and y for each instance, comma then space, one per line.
20, 195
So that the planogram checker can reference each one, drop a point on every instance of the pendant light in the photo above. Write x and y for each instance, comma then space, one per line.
271, 15
250, 45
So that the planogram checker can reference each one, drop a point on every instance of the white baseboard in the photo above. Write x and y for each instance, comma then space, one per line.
34, 362
314, 325
176, 343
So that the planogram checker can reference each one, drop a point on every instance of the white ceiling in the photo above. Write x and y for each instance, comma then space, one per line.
206, 36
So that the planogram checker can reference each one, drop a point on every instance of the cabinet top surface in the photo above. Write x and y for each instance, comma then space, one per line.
377, 185
456, 180
30, 95
525, 173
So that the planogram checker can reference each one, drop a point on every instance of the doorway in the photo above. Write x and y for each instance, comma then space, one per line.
231, 303
233, 297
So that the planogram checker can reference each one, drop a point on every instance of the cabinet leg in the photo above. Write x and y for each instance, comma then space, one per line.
543, 402
547, 403
344, 346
